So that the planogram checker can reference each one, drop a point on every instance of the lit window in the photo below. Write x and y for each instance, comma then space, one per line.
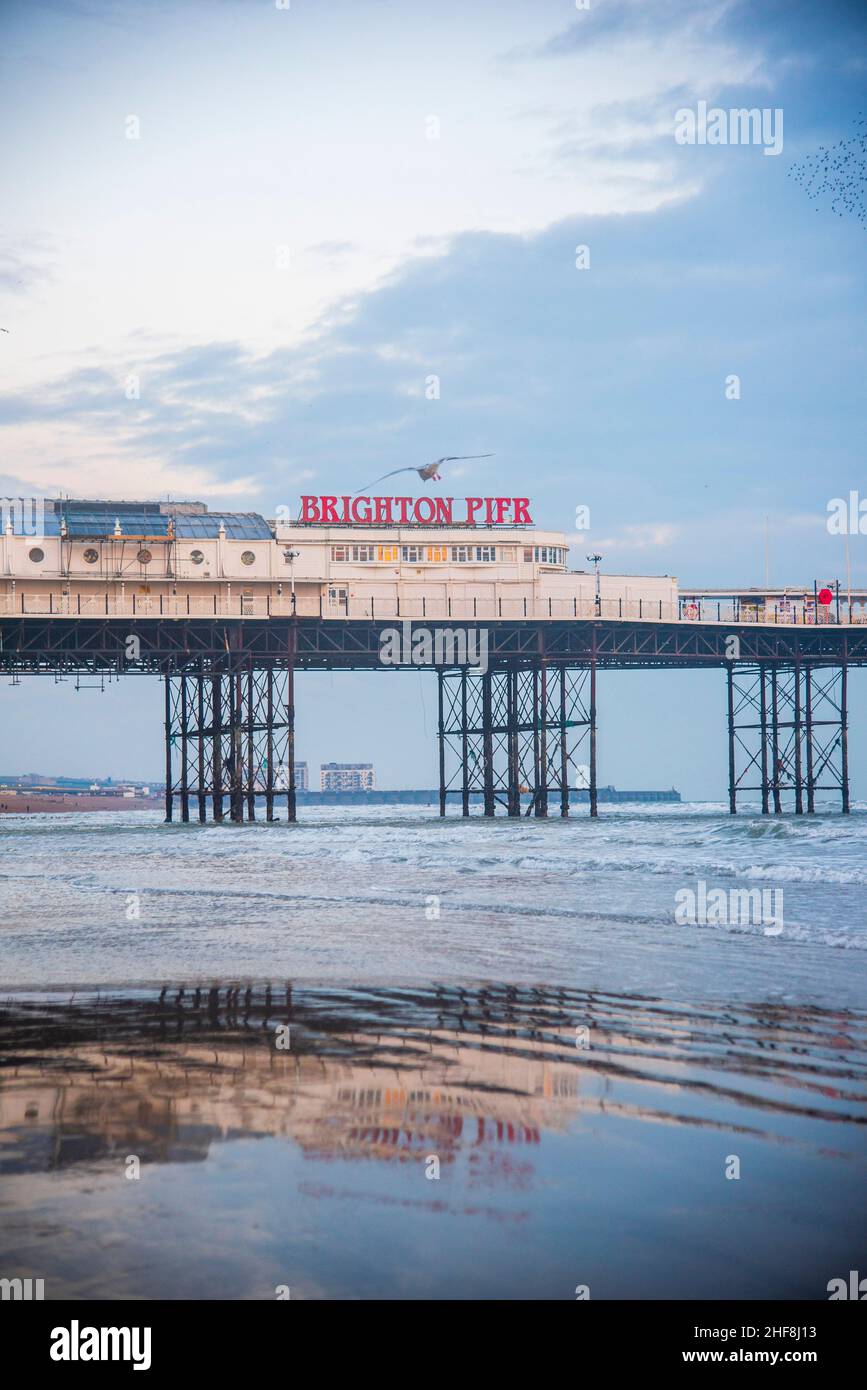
388, 553
437, 553
248, 557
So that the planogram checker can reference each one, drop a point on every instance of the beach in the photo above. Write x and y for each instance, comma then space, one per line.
379, 1055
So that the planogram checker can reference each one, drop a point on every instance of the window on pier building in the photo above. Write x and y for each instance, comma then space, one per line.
487, 553
388, 553
508, 554
412, 554
550, 555
461, 554
437, 554
528, 556
358, 554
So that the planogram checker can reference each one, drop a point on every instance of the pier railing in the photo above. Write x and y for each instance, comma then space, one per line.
377, 608
358, 606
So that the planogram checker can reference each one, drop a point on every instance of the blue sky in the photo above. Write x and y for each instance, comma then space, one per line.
328, 203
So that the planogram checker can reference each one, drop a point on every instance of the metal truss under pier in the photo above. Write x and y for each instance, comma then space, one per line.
230, 737
516, 729
788, 733
34, 645
230, 700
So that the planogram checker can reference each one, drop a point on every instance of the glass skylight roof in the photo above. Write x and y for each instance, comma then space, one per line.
240, 526
95, 519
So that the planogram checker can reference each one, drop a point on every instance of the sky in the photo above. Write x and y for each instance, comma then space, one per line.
281, 220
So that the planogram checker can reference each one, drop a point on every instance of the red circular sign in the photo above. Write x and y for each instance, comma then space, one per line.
825, 596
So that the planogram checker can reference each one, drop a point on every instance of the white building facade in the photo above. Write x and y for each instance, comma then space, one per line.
164, 559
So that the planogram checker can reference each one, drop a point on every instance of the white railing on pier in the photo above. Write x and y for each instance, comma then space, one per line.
372, 607
774, 613
59, 605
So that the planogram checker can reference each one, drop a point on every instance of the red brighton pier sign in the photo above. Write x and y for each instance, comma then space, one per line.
416, 511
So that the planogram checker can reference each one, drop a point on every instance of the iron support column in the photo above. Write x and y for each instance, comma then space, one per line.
733, 795
542, 782
169, 737
290, 725
442, 739
269, 754
200, 744
465, 747
763, 717
799, 774
513, 794
185, 752
217, 746
776, 770
594, 811
808, 702
844, 737
251, 749
564, 748
487, 744
236, 792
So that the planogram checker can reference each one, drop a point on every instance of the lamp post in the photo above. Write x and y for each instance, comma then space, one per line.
290, 556
594, 560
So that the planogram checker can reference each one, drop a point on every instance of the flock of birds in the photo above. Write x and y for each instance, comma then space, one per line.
838, 173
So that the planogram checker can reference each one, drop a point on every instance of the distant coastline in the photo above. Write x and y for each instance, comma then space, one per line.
24, 801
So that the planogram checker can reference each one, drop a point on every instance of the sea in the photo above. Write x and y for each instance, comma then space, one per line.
380, 1054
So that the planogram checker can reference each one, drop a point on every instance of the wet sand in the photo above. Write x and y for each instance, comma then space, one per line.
581, 1138
26, 803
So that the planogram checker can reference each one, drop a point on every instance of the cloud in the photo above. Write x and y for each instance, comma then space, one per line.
602, 387
331, 250
24, 268
640, 536
611, 19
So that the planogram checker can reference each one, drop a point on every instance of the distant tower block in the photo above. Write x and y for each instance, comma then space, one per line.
347, 777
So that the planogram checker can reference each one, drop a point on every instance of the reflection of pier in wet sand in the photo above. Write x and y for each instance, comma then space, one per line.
499, 1083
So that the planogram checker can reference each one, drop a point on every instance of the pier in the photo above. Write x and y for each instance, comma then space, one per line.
229, 608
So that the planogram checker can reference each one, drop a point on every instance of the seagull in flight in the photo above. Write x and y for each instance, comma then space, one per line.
430, 470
